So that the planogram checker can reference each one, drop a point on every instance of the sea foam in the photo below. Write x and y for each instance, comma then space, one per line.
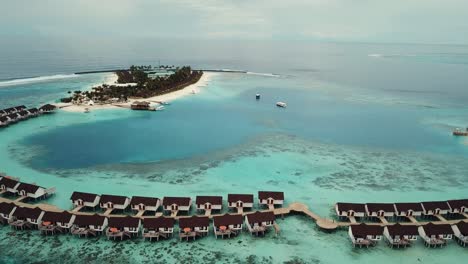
36, 79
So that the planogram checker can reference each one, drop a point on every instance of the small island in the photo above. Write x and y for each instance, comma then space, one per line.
138, 86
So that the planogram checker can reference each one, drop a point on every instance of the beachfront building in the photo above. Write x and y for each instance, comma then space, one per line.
458, 206
158, 227
33, 191
240, 201
259, 222
460, 232
365, 235
174, 205
227, 225
380, 210
6, 212
9, 185
350, 210
123, 227
85, 225
110, 202
53, 222
400, 235
140, 105
140, 203
26, 218
270, 199
193, 227
82, 199
435, 235
408, 209
435, 208
209, 203
48, 108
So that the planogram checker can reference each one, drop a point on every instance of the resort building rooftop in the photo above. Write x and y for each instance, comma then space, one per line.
85, 197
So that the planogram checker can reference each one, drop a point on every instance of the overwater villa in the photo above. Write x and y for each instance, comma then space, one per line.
209, 203
435, 208
12, 118
140, 203
33, 191
350, 210
85, 225
259, 222
9, 185
120, 227
4, 121
26, 218
193, 227
33, 112
270, 199
48, 108
227, 225
435, 235
458, 206
158, 227
6, 212
380, 210
8, 111
460, 232
110, 202
174, 205
81, 199
240, 201
400, 235
365, 235
23, 114
20, 108
56, 222
408, 209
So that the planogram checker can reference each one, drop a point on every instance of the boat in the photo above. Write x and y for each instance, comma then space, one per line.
460, 132
257, 96
86, 110
281, 104
159, 108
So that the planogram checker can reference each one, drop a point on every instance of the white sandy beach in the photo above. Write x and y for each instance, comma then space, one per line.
190, 90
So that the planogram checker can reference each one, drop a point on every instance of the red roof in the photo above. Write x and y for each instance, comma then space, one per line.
263, 195
194, 221
217, 200
246, 198
181, 201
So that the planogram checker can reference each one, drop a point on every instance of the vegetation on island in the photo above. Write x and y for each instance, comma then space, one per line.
142, 83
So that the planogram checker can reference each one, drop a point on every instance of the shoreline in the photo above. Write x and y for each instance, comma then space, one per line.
168, 97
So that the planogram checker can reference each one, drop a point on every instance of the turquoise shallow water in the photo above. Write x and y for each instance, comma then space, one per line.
346, 138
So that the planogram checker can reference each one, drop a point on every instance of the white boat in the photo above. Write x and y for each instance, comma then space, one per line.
160, 108
281, 104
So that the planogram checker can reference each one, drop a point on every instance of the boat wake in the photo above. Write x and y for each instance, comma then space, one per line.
36, 79
264, 74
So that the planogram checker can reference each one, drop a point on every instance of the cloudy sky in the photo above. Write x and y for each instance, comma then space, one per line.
397, 21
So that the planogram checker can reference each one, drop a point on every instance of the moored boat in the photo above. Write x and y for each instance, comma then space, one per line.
281, 104
459, 132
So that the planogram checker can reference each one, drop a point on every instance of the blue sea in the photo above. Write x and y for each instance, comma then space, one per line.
364, 123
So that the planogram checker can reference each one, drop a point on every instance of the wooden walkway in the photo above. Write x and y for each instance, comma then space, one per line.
295, 207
